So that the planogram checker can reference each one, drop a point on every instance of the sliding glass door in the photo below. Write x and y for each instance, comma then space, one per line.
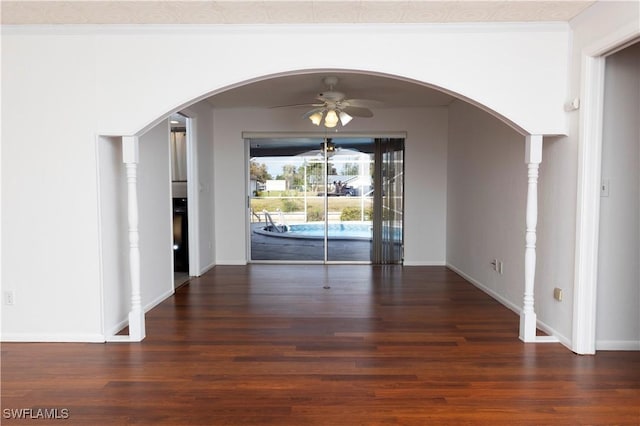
316, 200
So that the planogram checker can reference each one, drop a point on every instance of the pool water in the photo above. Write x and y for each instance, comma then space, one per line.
336, 230
315, 231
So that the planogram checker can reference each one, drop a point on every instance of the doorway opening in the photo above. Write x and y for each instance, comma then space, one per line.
590, 189
179, 183
618, 279
326, 200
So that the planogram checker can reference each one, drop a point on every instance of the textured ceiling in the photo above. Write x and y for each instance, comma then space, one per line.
283, 12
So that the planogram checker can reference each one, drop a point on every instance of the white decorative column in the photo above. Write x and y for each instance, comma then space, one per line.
130, 157
533, 158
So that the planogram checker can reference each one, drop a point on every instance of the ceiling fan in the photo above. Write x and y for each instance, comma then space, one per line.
334, 107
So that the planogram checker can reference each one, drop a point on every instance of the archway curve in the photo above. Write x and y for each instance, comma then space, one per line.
324, 71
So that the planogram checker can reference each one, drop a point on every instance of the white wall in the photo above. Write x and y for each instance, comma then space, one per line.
156, 216
114, 247
510, 63
486, 199
618, 308
50, 251
425, 174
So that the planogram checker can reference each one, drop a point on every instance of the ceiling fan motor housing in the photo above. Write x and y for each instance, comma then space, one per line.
331, 96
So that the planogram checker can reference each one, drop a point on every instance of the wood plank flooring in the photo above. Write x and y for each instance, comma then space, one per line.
268, 345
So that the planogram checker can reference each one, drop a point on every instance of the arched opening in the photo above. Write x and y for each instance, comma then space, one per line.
301, 86
465, 184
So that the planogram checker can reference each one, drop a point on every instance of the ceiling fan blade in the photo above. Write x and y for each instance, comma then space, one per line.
298, 105
363, 103
358, 111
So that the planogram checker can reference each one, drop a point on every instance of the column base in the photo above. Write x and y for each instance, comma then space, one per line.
136, 326
528, 321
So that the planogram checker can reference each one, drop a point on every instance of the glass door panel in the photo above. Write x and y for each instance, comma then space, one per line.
350, 205
287, 206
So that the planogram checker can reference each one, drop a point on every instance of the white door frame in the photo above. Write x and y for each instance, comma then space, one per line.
589, 176
193, 193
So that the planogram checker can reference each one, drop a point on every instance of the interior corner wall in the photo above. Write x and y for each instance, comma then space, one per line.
486, 200
116, 288
156, 215
618, 291
425, 174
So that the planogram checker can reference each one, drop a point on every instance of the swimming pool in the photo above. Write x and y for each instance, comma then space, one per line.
315, 231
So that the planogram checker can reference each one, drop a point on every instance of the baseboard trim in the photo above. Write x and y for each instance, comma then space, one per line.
206, 269
564, 340
515, 308
424, 263
554, 336
618, 345
116, 328
52, 338
149, 306
79, 338
125, 322
231, 262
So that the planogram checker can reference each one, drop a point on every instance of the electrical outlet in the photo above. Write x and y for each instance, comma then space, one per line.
9, 297
496, 265
557, 294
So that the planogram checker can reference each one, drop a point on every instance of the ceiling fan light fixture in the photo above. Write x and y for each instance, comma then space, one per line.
331, 119
316, 118
345, 118
329, 107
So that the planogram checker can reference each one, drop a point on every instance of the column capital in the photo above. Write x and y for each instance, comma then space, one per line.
130, 152
533, 149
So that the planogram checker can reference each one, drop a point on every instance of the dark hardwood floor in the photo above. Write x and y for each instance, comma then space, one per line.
266, 344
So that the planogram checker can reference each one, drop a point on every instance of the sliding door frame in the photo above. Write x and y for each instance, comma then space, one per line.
375, 136
380, 253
